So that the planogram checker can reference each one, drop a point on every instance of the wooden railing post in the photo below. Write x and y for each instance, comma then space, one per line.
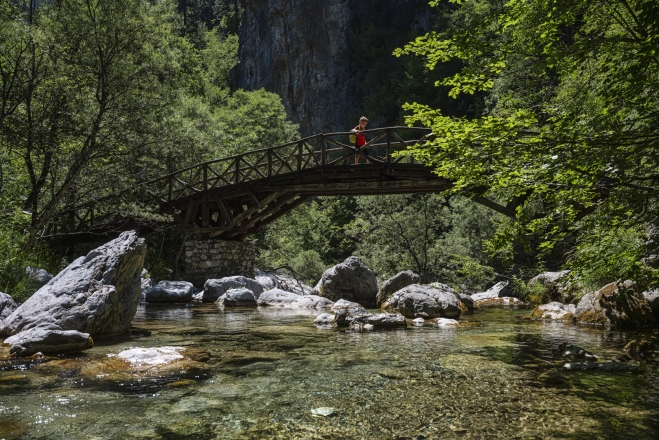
299, 156
388, 158
205, 177
237, 179
269, 162
323, 159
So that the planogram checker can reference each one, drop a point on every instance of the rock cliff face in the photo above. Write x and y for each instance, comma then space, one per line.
306, 51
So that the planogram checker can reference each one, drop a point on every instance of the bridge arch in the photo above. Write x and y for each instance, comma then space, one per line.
234, 197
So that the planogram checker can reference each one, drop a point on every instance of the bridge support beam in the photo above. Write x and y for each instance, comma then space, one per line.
213, 258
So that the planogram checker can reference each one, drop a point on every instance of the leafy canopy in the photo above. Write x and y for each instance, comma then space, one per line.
569, 138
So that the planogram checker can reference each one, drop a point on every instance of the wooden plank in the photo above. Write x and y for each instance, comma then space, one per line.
188, 213
253, 198
223, 209
204, 214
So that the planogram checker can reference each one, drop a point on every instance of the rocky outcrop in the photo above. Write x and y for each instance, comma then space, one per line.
554, 285
394, 284
7, 305
277, 298
554, 311
237, 298
170, 292
324, 319
290, 284
213, 289
44, 340
350, 280
503, 301
420, 301
302, 52
499, 290
96, 294
312, 302
616, 304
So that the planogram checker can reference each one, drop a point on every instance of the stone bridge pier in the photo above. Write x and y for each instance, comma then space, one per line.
214, 258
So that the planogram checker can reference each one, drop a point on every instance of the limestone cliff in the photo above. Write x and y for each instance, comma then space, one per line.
304, 50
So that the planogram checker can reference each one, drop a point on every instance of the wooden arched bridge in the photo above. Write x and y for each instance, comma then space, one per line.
235, 197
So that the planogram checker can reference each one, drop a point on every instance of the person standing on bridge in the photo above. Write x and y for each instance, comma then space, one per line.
361, 140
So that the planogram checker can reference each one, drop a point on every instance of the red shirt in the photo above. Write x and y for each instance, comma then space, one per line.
361, 140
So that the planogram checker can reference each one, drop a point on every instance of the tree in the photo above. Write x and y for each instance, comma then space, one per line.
567, 146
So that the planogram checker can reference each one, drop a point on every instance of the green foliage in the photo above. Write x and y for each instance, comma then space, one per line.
308, 266
612, 255
16, 255
571, 119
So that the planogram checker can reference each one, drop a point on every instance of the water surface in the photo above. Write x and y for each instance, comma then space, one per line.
271, 369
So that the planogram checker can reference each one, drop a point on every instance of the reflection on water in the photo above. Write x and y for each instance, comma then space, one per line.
494, 376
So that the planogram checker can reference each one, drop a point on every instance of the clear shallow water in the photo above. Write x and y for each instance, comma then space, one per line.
493, 377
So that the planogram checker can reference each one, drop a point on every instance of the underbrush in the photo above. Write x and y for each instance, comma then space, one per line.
16, 255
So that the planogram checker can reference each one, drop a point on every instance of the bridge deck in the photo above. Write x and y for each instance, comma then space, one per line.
236, 196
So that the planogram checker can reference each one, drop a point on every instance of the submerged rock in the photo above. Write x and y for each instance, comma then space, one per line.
616, 304
445, 322
7, 305
554, 311
605, 366
43, 340
238, 298
324, 319
394, 284
419, 301
152, 356
170, 292
96, 294
566, 350
350, 280
214, 289
419, 322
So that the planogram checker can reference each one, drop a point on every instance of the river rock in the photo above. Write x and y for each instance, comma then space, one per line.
554, 311
324, 319
145, 285
616, 304
267, 280
386, 320
421, 301
604, 366
291, 284
170, 292
238, 298
214, 289
555, 285
44, 340
419, 322
350, 280
503, 301
499, 290
566, 350
312, 302
346, 306
468, 303
96, 294
151, 356
7, 305
394, 284
652, 297
38, 277
444, 322
277, 298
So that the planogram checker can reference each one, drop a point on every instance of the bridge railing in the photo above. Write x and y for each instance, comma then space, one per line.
319, 151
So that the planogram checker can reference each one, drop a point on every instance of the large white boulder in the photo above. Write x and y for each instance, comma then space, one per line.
422, 301
96, 294
350, 280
